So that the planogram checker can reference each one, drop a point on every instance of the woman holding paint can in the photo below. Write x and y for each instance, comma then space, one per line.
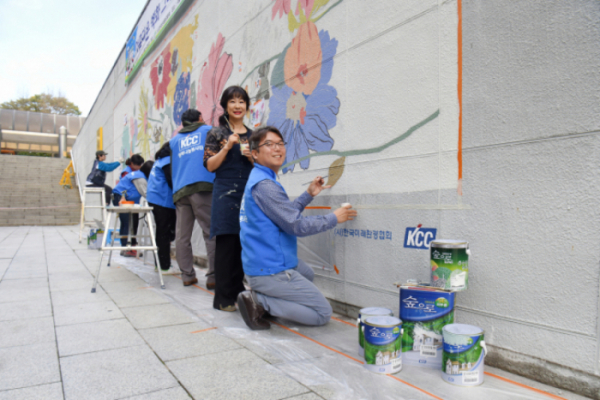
227, 154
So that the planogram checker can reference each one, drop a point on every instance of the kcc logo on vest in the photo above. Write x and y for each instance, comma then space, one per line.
419, 238
189, 141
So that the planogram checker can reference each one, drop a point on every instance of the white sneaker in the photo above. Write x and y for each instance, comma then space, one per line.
172, 271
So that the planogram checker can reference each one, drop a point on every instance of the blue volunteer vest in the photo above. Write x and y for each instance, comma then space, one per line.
187, 158
159, 191
126, 183
127, 169
266, 249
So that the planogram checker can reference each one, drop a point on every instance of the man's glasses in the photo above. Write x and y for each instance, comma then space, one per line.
271, 145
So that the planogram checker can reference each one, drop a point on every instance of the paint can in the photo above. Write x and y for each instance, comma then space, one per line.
424, 311
464, 353
450, 264
369, 312
383, 344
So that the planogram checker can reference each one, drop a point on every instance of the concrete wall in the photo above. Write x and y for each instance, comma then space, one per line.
368, 93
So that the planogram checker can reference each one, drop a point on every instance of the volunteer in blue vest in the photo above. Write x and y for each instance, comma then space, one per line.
192, 195
228, 155
281, 283
127, 168
160, 198
97, 177
131, 194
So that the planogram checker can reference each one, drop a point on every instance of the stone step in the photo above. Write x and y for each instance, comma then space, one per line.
30, 189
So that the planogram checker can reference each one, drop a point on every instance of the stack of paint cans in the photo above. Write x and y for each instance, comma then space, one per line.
431, 339
463, 348
426, 332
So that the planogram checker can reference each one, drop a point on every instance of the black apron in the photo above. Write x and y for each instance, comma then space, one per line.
228, 190
97, 177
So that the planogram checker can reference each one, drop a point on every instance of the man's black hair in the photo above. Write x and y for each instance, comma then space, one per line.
146, 168
137, 159
260, 134
190, 116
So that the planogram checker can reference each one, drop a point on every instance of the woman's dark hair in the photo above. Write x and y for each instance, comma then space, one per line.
228, 94
128, 162
137, 159
164, 151
146, 168
259, 135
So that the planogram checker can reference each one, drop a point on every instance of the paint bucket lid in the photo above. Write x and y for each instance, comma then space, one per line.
383, 322
463, 329
375, 311
449, 244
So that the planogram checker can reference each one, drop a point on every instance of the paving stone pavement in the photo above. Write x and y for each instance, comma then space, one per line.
133, 340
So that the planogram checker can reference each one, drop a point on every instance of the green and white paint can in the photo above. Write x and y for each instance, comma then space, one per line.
369, 312
450, 264
464, 352
383, 344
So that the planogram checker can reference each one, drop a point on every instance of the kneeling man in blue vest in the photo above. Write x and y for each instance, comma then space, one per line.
281, 283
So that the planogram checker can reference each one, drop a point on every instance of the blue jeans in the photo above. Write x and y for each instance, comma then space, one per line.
124, 227
292, 295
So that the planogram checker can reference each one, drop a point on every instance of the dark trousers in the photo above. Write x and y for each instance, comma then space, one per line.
165, 219
229, 274
107, 191
124, 218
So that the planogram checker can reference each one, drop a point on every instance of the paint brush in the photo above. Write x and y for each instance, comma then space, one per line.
311, 181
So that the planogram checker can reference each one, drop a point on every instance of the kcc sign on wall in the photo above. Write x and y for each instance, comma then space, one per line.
419, 238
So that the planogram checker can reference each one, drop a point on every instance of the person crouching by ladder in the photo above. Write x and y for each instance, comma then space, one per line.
128, 186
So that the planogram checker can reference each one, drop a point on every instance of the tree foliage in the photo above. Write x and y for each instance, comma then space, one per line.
44, 103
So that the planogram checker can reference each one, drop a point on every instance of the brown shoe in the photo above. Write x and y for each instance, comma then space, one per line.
191, 282
252, 312
210, 281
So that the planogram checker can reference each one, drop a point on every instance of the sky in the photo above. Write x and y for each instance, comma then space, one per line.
64, 46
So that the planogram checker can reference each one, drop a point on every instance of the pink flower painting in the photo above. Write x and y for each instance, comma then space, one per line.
306, 5
160, 76
214, 76
282, 7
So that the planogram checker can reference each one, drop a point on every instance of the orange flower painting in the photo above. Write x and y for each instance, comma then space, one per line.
302, 65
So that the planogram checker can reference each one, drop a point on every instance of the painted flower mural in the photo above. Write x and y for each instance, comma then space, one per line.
281, 7
145, 127
304, 106
214, 76
160, 76
182, 97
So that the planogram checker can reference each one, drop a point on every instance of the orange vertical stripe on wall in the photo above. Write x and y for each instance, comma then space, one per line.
459, 5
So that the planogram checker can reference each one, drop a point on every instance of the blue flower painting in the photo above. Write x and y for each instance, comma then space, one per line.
182, 97
304, 106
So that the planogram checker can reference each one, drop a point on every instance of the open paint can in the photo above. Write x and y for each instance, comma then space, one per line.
383, 344
464, 352
450, 264
369, 312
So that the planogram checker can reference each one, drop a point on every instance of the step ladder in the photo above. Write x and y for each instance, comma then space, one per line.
96, 216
